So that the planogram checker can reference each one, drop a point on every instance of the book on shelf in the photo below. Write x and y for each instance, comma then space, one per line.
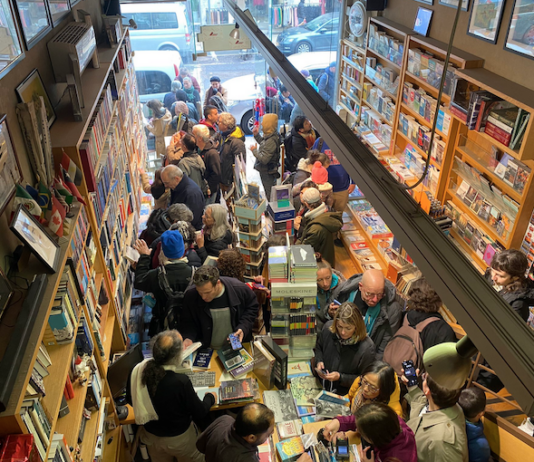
63, 408
282, 403
236, 390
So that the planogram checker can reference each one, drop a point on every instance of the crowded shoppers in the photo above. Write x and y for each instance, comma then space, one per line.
212, 161
267, 154
192, 164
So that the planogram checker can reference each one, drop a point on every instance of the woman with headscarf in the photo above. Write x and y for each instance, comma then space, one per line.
181, 120
158, 124
268, 153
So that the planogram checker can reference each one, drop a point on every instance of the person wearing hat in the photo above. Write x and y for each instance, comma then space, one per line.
327, 83
159, 124
216, 89
175, 268
268, 153
306, 74
320, 225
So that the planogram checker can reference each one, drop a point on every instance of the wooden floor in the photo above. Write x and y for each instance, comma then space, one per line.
344, 262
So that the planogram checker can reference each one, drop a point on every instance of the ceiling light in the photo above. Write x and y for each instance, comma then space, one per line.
235, 34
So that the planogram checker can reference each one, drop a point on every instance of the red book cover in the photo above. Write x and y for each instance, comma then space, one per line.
88, 170
495, 132
69, 388
458, 113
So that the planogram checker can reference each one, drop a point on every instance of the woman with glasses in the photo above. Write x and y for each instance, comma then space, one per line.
343, 350
327, 281
375, 297
377, 384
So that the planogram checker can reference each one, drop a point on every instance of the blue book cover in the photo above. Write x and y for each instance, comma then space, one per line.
61, 325
203, 358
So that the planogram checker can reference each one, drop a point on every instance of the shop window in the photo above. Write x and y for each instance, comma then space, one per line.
152, 82
165, 20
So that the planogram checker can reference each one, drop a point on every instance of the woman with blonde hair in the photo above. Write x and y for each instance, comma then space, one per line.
216, 233
343, 349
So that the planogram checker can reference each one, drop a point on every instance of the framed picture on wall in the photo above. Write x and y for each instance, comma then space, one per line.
520, 35
10, 172
11, 43
454, 4
58, 10
485, 19
34, 20
31, 87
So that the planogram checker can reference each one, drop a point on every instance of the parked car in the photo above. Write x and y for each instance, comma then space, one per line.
155, 71
244, 90
160, 26
322, 33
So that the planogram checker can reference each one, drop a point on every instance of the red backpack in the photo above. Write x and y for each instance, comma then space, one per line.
406, 344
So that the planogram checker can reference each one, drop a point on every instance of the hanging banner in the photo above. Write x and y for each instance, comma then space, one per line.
217, 38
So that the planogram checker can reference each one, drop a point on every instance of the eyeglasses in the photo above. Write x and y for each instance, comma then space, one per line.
370, 387
372, 295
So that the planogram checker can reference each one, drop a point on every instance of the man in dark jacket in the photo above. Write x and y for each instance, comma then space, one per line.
375, 297
177, 271
287, 103
184, 191
302, 136
211, 159
232, 144
237, 440
192, 164
319, 226
211, 117
217, 306
327, 83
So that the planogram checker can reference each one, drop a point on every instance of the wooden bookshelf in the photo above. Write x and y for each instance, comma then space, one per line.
351, 77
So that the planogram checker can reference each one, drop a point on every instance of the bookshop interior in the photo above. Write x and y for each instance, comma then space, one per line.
266, 230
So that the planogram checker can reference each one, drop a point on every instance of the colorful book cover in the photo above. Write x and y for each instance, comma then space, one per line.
304, 389
290, 450
236, 390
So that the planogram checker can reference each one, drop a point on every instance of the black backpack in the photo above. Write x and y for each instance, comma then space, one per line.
170, 318
156, 225
288, 144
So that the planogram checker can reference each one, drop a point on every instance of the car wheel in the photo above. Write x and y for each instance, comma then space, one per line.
247, 122
304, 47
169, 48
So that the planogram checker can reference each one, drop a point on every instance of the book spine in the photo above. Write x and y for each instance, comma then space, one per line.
497, 134
504, 127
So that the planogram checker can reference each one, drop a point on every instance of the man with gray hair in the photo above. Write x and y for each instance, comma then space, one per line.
165, 403
184, 191
170, 97
211, 159
232, 144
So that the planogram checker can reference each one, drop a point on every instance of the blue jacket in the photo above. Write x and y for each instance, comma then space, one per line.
479, 450
337, 175
327, 84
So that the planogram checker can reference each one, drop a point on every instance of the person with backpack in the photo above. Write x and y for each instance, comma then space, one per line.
217, 306
299, 142
422, 328
267, 154
343, 350
192, 164
304, 171
376, 298
168, 282
212, 161
327, 83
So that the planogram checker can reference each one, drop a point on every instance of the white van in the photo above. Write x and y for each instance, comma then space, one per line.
155, 71
160, 26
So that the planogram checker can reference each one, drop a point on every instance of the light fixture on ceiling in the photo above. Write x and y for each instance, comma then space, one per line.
235, 34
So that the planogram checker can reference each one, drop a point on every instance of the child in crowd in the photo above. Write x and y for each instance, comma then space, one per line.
473, 403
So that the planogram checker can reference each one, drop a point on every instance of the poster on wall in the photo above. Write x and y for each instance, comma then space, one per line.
520, 36
31, 88
485, 19
10, 173
454, 4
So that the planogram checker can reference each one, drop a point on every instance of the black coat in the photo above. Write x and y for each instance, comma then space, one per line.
348, 360
212, 161
146, 279
520, 300
197, 323
187, 192
231, 145
299, 150
213, 248
435, 333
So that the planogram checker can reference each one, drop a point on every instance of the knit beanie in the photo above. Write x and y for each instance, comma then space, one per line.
305, 73
319, 174
311, 196
270, 91
172, 244
269, 123
215, 79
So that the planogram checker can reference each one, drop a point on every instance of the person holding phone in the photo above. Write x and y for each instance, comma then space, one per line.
343, 350
437, 421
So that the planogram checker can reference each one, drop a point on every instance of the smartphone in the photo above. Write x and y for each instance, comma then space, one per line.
409, 372
342, 449
234, 341
366, 444
336, 302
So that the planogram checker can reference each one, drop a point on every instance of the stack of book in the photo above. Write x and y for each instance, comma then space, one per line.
282, 404
278, 266
303, 265
59, 449
94, 392
237, 363
37, 423
236, 391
